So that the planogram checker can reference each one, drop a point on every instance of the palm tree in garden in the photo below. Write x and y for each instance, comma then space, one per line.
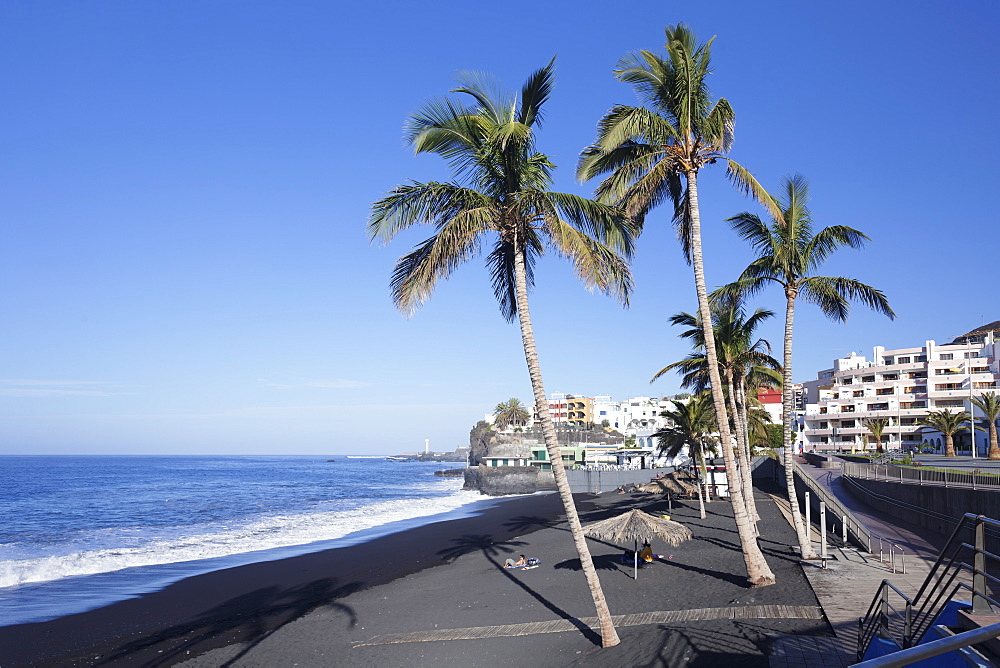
510, 413
989, 404
655, 151
788, 255
501, 195
692, 424
876, 426
949, 424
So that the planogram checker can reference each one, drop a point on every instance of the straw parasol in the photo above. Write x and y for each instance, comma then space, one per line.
638, 526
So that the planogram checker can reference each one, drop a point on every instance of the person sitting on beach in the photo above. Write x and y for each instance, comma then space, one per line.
647, 553
510, 563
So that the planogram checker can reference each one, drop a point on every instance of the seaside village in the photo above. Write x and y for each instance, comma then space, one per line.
899, 386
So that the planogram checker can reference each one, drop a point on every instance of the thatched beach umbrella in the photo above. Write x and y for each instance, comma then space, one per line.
638, 526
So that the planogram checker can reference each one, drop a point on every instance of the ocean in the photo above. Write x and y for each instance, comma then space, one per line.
81, 532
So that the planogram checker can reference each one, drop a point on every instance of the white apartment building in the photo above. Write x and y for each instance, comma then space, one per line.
902, 386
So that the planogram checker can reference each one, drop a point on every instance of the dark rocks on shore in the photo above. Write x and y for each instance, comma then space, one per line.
450, 473
502, 480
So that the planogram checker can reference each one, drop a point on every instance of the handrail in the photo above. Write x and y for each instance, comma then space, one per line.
933, 648
918, 475
863, 536
941, 586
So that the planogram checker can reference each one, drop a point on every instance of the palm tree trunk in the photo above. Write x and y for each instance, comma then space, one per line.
702, 488
742, 425
994, 446
787, 400
704, 474
609, 637
758, 572
743, 459
949, 445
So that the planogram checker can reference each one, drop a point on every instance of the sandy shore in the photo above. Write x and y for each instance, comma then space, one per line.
337, 607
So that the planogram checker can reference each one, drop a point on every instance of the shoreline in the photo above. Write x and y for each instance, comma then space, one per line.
344, 606
114, 586
313, 577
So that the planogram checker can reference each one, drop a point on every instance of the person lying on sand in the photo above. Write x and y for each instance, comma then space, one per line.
647, 554
510, 563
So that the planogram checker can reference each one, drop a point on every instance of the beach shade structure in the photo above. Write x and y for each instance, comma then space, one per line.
636, 527
670, 485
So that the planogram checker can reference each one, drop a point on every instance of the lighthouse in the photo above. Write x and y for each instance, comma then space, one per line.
427, 446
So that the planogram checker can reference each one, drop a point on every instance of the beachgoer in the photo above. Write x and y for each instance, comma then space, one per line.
647, 553
510, 563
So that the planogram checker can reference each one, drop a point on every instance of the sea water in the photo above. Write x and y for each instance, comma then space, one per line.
79, 532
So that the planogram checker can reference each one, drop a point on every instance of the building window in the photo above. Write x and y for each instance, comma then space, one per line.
911, 389
969, 356
888, 360
946, 356
979, 369
878, 407
884, 391
822, 410
859, 393
902, 360
890, 376
913, 404
948, 402
942, 387
921, 358
847, 409
824, 425
984, 386
848, 424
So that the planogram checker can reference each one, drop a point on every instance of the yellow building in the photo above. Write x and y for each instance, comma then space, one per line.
579, 410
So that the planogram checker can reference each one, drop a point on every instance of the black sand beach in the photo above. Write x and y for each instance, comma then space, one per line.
334, 607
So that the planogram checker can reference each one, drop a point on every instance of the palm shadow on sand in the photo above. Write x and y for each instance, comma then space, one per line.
249, 618
603, 562
492, 550
529, 523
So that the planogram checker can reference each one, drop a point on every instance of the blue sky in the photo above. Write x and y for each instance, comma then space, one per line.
184, 189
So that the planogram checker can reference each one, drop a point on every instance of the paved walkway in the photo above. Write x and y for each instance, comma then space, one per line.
846, 587
620, 621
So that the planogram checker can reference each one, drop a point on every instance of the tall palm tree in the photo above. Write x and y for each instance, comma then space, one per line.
989, 404
876, 426
788, 254
510, 413
501, 190
741, 361
948, 423
655, 151
691, 426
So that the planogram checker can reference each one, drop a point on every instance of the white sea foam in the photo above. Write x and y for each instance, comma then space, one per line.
262, 534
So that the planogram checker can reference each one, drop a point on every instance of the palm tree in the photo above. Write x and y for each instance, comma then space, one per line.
789, 252
501, 191
742, 362
876, 426
989, 404
510, 412
947, 423
692, 424
655, 151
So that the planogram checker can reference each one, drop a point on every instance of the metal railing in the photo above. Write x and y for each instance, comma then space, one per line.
895, 616
854, 530
918, 475
961, 642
